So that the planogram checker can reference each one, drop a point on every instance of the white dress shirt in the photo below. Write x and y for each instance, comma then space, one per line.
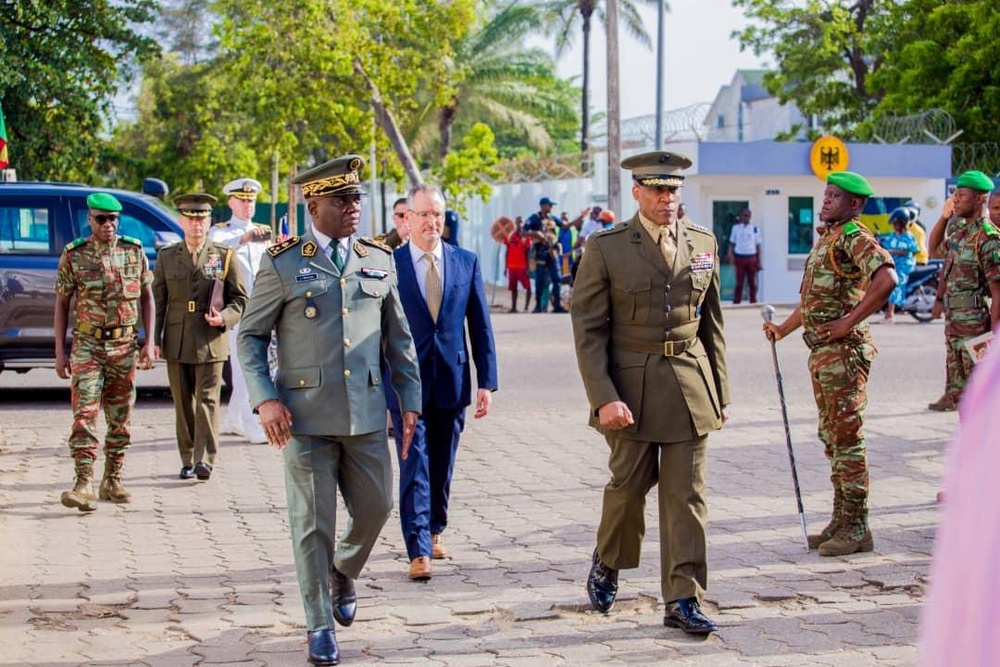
745, 239
328, 245
247, 254
421, 265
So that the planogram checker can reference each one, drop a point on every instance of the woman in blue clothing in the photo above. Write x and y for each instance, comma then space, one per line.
902, 246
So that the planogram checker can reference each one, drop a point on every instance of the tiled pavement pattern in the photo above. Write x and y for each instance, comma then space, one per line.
201, 573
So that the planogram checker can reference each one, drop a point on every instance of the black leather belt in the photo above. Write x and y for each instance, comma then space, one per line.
668, 348
103, 333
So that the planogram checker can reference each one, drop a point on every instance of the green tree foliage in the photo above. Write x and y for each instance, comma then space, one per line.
468, 172
61, 63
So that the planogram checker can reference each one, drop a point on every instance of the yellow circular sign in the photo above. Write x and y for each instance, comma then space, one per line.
828, 154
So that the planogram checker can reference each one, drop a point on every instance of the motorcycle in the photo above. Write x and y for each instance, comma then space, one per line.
921, 290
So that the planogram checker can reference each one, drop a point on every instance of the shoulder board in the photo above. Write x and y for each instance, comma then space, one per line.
694, 226
989, 229
76, 243
131, 240
262, 225
221, 224
375, 243
278, 248
851, 228
620, 227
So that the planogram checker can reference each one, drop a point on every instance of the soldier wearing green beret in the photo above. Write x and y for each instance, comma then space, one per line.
109, 277
970, 279
200, 294
333, 300
848, 276
647, 321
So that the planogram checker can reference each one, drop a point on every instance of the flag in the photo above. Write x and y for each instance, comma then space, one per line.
4, 161
284, 225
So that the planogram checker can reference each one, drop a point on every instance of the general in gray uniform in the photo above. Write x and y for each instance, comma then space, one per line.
333, 299
647, 320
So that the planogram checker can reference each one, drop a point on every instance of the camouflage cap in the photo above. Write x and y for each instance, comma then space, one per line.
102, 201
975, 180
339, 176
195, 204
657, 169
852, 183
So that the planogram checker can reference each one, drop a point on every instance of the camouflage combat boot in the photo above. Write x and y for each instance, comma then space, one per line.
944, 404
82, 494
853, 535
832, 527
111, 486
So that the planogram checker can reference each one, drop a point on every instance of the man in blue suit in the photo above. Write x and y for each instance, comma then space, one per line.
441, 289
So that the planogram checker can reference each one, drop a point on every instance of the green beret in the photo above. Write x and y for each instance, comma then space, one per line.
102, 201
848, 181
975, 180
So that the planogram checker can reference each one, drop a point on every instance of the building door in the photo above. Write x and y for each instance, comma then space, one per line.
724, 214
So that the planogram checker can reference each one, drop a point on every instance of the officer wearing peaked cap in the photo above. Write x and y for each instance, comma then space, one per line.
247, 240
333, 299
647, 321
848, 276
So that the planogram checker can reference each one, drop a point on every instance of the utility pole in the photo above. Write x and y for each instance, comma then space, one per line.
614, 112
660, 20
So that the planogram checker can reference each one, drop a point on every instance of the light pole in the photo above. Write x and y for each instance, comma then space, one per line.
614, 112
660, 20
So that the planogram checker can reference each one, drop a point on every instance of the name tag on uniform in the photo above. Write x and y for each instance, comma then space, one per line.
378, 274
307, 278
703, 261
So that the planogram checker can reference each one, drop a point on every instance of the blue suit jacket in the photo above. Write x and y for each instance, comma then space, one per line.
441, 347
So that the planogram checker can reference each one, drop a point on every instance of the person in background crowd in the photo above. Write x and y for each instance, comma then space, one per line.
536, 221
592, 224
567, 238
518, 247
546, 253
109, 277
917, 230
682, 214
451, 223
744, 252
400, 233
247, 240
902, 246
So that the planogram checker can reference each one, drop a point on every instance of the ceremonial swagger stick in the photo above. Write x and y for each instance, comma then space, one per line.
767, 312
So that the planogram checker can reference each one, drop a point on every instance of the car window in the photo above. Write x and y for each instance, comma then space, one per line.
24, 229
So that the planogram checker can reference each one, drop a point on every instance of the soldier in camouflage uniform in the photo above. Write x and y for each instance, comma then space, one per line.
109, 276
848, 276
970, 279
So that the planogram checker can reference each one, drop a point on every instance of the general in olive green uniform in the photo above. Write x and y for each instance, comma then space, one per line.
191, 333
847, 277
647, 320
332, 298
109, 277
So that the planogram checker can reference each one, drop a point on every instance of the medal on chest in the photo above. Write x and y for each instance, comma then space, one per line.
311, 311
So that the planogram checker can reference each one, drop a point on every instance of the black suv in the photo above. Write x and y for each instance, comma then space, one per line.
36, 221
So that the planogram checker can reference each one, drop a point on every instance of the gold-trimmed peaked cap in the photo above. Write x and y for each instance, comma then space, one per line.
657, 169
246, 189
195, 204
339, 176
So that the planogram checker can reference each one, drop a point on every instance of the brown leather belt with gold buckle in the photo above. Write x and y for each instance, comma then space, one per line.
192, 306
668, 348
103, 333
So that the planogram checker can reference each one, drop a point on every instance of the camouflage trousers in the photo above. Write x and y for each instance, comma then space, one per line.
958, 366
839, 377
103, 374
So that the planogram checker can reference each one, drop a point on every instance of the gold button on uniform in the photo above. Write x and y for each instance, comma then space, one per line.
302, 382
347, 373
342, 282
347, 342
343, 311
309, 293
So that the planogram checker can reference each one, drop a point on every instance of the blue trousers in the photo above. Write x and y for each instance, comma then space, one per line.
425, 475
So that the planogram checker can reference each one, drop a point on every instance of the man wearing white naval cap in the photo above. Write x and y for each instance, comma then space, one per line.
248, 241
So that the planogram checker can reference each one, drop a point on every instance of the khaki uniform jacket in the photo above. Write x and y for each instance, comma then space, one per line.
333, 330
182, 290
626, 303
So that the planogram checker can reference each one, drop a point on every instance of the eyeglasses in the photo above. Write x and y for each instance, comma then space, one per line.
426, 215
101, 218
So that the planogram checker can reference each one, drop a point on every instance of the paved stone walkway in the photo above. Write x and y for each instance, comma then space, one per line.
201, 573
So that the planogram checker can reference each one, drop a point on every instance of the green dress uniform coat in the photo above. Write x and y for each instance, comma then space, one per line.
333, 328
651, 336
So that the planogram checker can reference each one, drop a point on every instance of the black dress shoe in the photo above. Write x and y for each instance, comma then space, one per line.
602, 585
323, 649
202, 470
187, 472
343, 597
686, 615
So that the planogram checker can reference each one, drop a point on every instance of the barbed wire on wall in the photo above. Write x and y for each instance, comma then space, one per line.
551, 168
982, 156
931, 126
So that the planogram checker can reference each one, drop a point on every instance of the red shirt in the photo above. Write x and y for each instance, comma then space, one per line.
517, 251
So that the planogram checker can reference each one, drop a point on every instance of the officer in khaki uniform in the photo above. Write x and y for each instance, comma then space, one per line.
332, 297
191, 333
647, 319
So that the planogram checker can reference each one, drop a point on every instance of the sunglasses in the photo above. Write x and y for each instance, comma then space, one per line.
102, 218
398, 215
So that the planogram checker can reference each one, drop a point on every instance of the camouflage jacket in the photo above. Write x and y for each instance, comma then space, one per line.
972, 262
107, 280
837, 274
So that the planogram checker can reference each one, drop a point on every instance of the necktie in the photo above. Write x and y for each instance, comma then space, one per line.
433, 287
667, 247
338, 261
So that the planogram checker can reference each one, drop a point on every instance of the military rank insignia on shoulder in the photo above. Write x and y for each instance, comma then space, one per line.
700, 228
278, 248
130, 240
851, 228
375, 243
76, 243
989, 229
621, 226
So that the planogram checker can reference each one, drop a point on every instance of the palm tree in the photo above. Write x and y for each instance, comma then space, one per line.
566, 15
501, 83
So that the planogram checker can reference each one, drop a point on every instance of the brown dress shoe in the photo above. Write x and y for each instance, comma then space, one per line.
438, 550
944, 404
420, 568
